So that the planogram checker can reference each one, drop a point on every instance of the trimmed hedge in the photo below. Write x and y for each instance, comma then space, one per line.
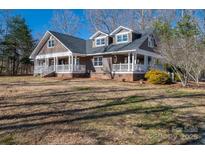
157, 77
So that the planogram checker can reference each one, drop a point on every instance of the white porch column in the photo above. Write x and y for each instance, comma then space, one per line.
56, 64
145, 61
128, 61
69, 67
35, 62
75, 67
75, 60
47, 62
133, 59
71, 62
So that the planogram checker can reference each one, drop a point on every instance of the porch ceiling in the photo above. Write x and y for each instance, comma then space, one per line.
51, 55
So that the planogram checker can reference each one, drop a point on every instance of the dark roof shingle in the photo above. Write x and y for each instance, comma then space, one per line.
78, 45
75, 44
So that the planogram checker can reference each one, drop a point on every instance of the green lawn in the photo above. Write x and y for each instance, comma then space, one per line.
36, 110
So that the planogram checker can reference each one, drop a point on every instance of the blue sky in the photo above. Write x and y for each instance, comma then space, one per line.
39, 20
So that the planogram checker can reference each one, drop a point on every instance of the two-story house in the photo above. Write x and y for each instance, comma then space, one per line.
123, 54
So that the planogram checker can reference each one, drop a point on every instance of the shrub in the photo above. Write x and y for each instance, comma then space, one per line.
176, 78
157, 77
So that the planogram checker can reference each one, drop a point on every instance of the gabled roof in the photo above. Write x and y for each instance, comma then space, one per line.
134, 45
97, 33
74, 44
71, 43
120, 28
78, 45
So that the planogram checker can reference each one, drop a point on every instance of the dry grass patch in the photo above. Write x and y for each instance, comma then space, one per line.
37, 110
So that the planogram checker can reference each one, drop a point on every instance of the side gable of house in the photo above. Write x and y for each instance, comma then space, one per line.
145, 46
42, 46
58, 47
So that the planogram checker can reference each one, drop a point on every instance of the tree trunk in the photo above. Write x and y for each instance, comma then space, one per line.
142, 20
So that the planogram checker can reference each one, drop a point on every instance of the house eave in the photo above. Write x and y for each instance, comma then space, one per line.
93, 36
120, 27
32, 56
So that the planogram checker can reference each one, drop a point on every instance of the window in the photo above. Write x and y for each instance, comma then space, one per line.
150, 42
51, 43
100, 41
125, 37
97, 61
121, 38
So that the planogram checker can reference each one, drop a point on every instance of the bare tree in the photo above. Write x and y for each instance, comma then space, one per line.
108, 67
174, 53
144, 18
183, 48
198, 59
65, 21
109, 20
168, 16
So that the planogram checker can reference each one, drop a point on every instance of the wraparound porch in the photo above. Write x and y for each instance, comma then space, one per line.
58, 64
134, 62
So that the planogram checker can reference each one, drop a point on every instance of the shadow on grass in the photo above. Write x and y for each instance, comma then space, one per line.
80, 91
97, 112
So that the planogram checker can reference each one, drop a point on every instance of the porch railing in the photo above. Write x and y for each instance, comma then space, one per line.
63, 68
59, 69
43, 69
124, 68
71, 68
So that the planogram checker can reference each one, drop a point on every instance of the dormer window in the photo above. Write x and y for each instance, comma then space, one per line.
150, 42
100, 41
122, 38
51, 42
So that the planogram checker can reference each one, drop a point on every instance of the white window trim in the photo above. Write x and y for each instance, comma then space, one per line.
98, 61
123, 33
101, 37
51, 39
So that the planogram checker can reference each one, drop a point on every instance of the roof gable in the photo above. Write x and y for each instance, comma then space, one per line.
97, 34
134, 45
40, 44
120, 28
71, 43
74, 44
58, 47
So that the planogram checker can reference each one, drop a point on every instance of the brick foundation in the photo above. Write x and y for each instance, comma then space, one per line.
100, 76
71, 75
106, 76
119, 77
